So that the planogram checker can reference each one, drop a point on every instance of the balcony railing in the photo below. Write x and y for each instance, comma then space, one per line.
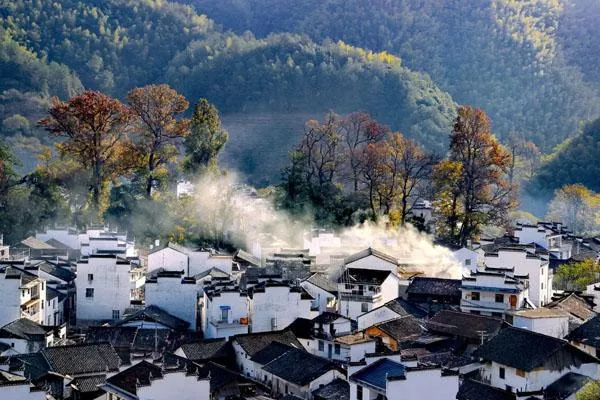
487, 304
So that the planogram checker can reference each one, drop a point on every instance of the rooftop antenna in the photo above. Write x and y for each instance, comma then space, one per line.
482, 336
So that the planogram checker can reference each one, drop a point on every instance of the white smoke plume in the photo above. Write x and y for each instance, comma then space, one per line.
232, 211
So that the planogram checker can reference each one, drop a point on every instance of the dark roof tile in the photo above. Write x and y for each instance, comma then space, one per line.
299, 367
463, 324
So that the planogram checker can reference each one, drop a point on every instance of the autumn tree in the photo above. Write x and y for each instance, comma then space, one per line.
160, 128
446, 178
486, 195
206, 138
95, 128
577, 207
357, 131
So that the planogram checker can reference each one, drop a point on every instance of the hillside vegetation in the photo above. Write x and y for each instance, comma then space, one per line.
531, 64
116, 45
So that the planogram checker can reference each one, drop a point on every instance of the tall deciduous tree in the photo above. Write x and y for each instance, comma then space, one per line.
205, 139
95, 127
158, 109
486, 193
577, 207
357, 131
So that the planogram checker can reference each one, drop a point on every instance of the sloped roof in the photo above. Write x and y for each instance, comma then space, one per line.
527, 350
299, 367
338, 389
370, 252
473, 390
34, 243
82, 359
214, 272
434, 286
53, 293
377, 373
249, 258
118, 336
88, 384
401, 328
155, 314
171, 245
574, 305
23, 328
328, 317
322, 281
587, 333
206, 350
140, 374
568, 385
61, 273
465, 325
271, 352
252, 343
57, 244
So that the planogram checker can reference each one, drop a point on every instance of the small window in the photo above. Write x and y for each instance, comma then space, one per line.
364, 307
520, 373
89, 293
542, 285
499, 298
90, 277
501, 373
468, 262
348, 287
475, 312
224, 314
116, 314
509, 388
337, 349
321, 345
42, 303
359, 392
475, 296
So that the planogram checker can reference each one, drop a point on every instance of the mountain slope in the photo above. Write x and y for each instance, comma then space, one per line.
505, 56
114, 45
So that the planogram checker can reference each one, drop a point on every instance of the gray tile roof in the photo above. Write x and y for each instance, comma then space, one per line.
299, 367
434, 286
337, 389
322, 281
88, 384
472, 390
252, 343
141, 374
464, 325
527, 350
587, 333
155, 314
270, 353
370, 252
402, 328
206, 350
61, 273
23, 329
566, 386
82, 359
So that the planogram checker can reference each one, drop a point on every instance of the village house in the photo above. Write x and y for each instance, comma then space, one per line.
299, 373
323, 290
529, 262
434, 294
387, 378
396, 331
578, 308
547, 321
60, 278
25, 336
362, 290
330, 336
371, 258
247, 346
145, 381
16, 387
217, 350
159, 292
469, 330
391, 310
494, 292
225, 311
520, 361
23, 295
175, 257
587, 336
104, 287
274, 305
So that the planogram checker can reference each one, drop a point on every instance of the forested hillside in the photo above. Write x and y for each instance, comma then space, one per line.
576, 161
116, 45
532, 65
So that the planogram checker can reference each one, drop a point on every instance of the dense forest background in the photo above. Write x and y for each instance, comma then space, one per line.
270, 65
